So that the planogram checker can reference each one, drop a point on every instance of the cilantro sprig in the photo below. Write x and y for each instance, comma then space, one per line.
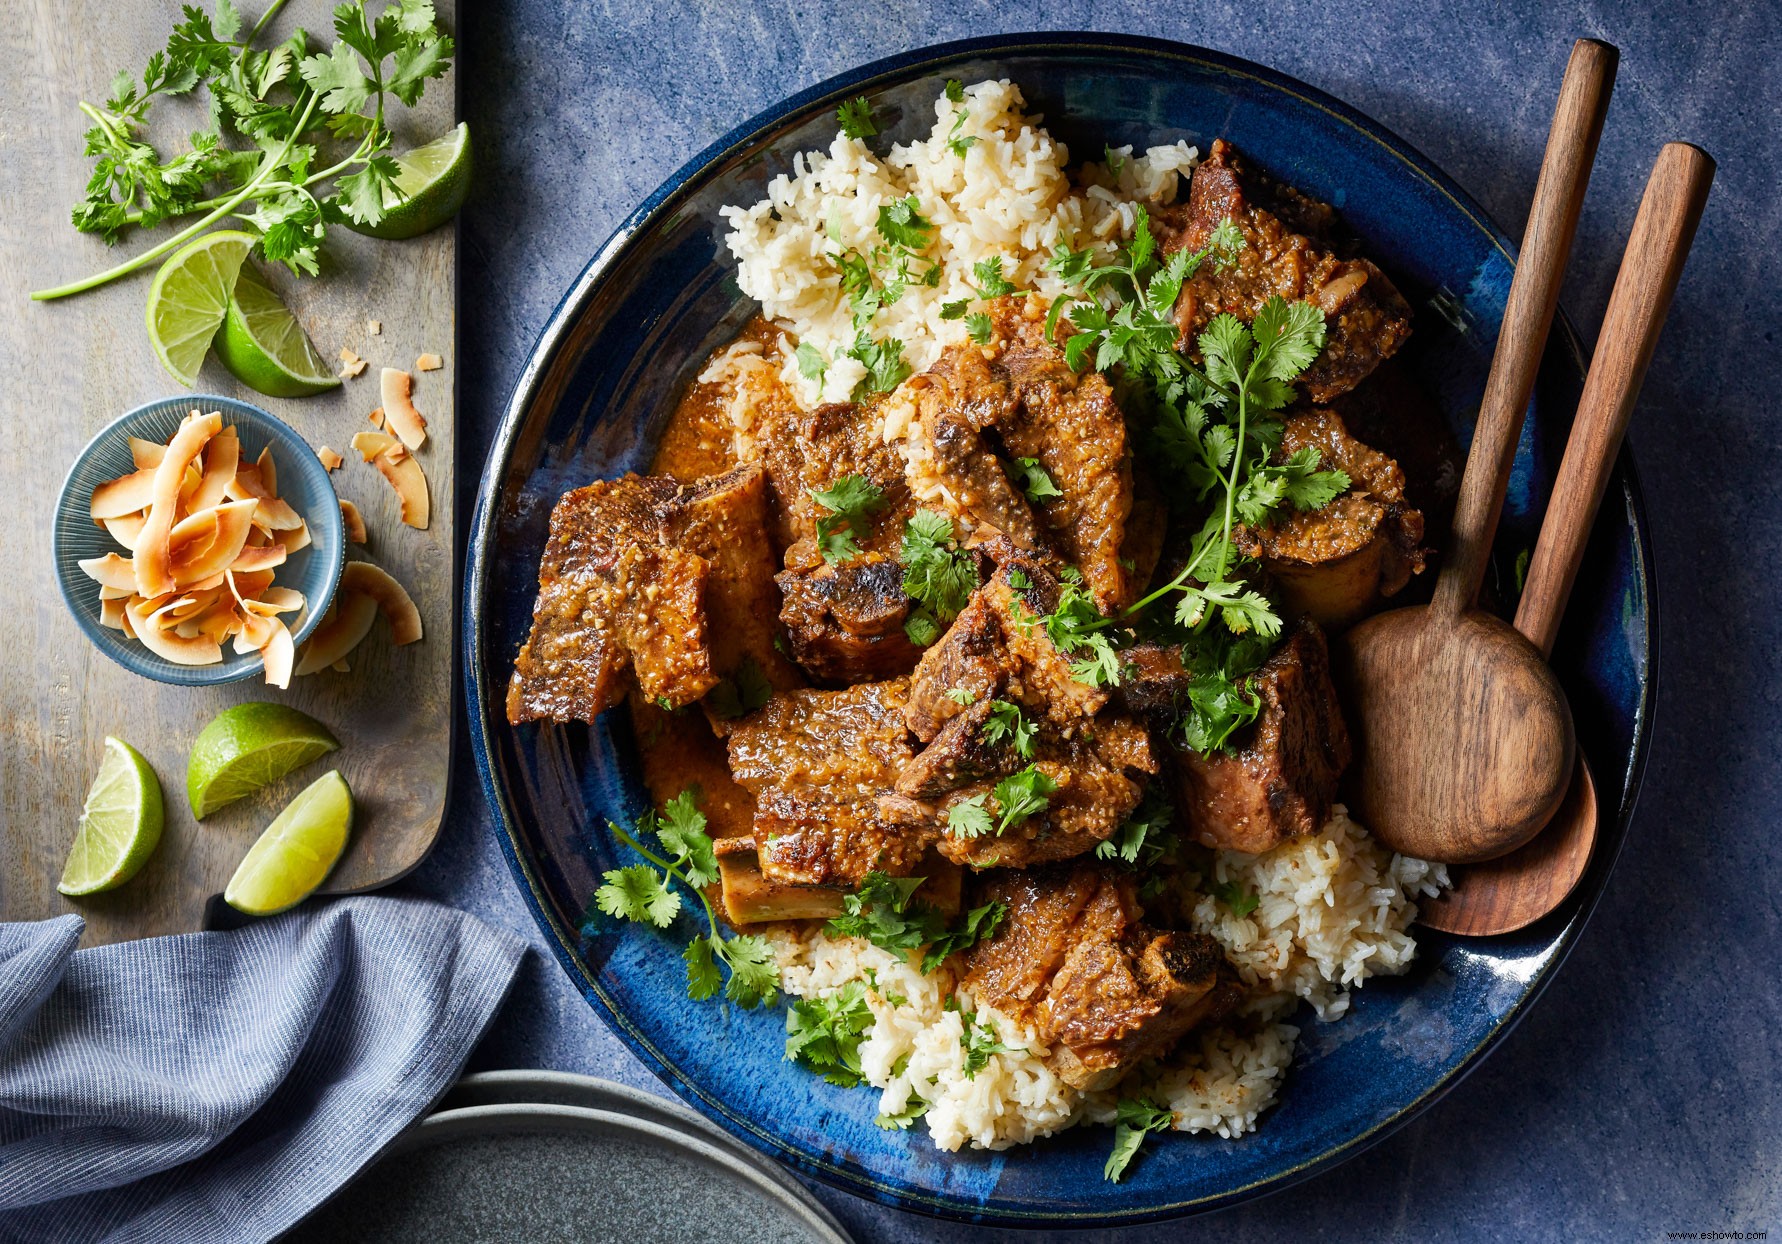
856, 119
646, 893
1136, 1118
270, 154
1014, 799
824, 1033
850, 500
885, 912
1217, 426
937, 574
1006, 721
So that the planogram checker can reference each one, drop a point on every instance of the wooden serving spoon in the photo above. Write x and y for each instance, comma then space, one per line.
1515, 890
1463, 737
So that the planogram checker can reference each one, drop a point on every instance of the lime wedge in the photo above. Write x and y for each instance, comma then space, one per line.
190, 297
247, 747
297, 850
433, 180
265, 347
120, 826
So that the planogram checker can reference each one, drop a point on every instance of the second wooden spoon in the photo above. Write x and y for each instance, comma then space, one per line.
1513, 891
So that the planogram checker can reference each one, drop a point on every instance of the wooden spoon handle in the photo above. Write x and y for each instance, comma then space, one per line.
1528, 314
1650, 268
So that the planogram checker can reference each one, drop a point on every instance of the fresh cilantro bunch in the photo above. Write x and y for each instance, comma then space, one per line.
1136, 1117
937, 574
297, 139
885, 913
850, 500
1015, 798
647, 894
1216, 425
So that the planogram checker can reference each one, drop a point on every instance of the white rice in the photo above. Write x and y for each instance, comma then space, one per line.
1333, 909
1009, 196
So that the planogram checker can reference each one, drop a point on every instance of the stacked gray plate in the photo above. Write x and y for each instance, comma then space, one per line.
541, 1155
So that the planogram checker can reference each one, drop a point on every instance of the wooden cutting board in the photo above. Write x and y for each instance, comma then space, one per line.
66, 369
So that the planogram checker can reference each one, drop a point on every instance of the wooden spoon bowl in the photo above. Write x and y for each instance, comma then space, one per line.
1465, 741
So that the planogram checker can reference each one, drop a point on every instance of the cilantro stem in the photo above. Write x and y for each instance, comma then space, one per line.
270, 13
254, 185
711, 918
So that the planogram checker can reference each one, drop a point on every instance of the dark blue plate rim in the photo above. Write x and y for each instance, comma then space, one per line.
485, 704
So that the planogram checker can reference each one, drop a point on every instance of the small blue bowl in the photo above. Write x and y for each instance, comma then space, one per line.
302, 481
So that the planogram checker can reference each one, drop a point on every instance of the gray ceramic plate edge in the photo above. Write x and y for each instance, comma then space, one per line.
564, 1088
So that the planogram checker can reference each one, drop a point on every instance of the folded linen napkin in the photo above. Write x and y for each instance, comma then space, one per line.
218, 1086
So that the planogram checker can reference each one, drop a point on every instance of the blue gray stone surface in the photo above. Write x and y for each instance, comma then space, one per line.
1643, 1095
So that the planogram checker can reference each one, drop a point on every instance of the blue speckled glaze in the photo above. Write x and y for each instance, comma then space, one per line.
591, 402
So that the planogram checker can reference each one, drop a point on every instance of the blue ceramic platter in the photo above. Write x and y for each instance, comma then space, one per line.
659, 295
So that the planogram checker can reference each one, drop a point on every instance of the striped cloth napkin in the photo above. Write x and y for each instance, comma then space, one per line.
219, 1086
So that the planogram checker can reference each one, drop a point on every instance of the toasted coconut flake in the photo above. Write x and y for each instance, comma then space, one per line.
396, 388
369, 445
115, 593
221, 457
354, 521
429, 362
126, 530
406, 477
294, 540
146, 455
276, 514
232, 523
146, 623
276, 600
111, 612
279, 653
154, 560
376, 418
392, 600
128, 494
374, 327
204, 585
249, 583
341, 667
351, 364
268, 471
330, 460
259, 557
110, 571
343, 629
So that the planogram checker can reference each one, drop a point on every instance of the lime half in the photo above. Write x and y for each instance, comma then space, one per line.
120, 826
247, 747
265, 347
297, 850
190, 297
433, 180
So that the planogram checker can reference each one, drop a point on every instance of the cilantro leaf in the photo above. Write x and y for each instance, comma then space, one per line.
886, 368
740, 694
1137, 1117
979, 328
883, 913
902, 224
1007, 721
824, 1033
962, 696
1036, 485
913, 1108
810, 362
754, 976
638, 892
703, 977
979, 924
954, 310
969, 818
979, 1041
990, 281
850, 500
1239, 900
855, 117
1145, 838
681, 829
921, 628
937, 573
338, 77
1020, 796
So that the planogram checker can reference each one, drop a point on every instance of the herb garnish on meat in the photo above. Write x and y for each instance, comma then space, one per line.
1036, 484
885, 912
850, 500
1006, 721
1216, 426
640, 892
937, 574
1016, 797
